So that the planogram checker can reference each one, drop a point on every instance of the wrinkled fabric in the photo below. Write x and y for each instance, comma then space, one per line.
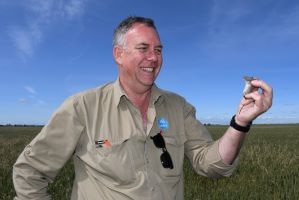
114, 156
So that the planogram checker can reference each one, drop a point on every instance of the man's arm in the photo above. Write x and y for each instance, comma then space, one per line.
41, 160
202, 150
251, 106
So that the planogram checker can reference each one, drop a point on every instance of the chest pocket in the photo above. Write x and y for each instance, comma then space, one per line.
116, 163
175, 146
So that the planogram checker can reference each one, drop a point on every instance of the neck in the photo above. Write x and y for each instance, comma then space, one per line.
139, 98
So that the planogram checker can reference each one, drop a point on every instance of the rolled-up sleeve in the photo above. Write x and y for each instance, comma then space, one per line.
202, 150
46, 154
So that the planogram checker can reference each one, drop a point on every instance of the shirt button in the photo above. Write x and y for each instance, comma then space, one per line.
153, 189
27, 151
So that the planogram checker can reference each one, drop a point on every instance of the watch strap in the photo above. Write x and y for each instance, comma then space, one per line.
238, 127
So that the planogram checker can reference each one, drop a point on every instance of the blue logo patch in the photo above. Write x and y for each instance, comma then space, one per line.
163, 123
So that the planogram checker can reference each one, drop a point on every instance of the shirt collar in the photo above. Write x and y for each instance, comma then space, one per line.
156, 95
119, 93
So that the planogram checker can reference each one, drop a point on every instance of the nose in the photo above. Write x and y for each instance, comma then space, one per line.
153, 55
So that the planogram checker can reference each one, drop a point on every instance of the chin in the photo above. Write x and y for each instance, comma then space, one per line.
147, 84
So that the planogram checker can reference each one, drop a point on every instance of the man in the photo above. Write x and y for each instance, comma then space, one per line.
128, 138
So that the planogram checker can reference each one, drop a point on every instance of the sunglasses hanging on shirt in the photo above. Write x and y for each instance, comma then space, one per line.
165, 156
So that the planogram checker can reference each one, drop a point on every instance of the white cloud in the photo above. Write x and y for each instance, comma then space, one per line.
50, 10
39, 15
74, 8
25, 39
30, 89
22, 41
32, 98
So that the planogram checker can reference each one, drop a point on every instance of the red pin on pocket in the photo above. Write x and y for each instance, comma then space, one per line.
103, 143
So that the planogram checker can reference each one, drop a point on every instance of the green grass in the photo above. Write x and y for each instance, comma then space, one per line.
268, 166
12, 142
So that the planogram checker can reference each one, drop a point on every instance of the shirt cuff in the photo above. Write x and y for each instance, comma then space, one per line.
217, 166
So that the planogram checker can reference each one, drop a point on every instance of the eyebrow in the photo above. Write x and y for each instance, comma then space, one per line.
145, 44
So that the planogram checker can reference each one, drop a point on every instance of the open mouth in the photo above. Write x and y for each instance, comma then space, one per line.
148, 69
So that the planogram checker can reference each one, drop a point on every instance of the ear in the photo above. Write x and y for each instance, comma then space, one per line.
117, 54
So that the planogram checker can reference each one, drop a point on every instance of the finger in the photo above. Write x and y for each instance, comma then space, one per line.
267, 93
260, 101
246, 100
267, 89
255, 97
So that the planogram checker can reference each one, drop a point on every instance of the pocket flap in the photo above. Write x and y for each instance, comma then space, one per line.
177, 139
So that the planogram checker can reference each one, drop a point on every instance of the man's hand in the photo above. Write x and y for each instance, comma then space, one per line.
255, 103
252, 105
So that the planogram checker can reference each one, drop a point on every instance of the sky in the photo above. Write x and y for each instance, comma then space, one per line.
52, 49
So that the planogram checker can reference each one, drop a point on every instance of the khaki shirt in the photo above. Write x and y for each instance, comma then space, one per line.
114, 156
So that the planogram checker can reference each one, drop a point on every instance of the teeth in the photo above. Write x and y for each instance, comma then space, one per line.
148, 69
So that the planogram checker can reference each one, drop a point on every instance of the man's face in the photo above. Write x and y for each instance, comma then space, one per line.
141, 59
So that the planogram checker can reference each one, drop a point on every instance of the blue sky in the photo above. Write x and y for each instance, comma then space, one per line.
51, 49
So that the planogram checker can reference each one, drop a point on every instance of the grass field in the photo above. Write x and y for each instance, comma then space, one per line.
268, 166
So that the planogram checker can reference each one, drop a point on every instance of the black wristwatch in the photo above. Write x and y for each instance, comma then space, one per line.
236, 126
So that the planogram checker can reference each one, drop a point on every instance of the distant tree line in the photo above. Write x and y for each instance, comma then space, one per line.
20, 125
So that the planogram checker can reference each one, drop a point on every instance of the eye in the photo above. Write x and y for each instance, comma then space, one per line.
142, 49
158, 51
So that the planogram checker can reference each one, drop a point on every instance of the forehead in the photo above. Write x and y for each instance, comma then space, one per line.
141, 33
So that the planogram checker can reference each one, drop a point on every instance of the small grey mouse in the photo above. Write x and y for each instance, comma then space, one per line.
248, 88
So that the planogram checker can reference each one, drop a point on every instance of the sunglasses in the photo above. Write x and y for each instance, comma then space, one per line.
165, 156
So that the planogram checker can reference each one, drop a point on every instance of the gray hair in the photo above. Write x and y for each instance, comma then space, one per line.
126, 25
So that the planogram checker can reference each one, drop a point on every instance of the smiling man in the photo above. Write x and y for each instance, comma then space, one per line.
138, 54
128, 138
